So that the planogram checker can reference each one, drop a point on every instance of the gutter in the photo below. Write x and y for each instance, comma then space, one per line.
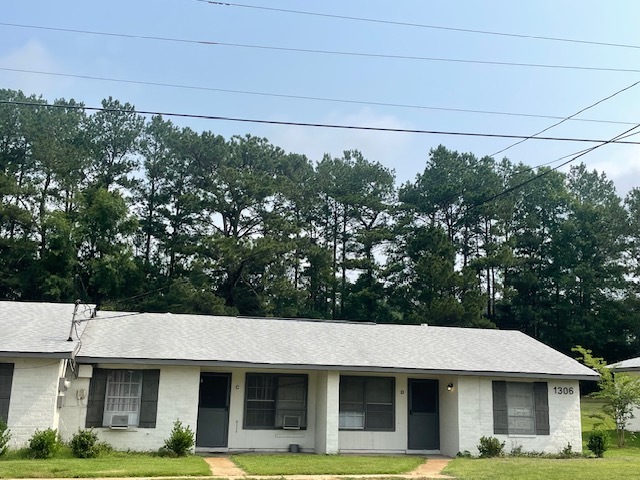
342, 368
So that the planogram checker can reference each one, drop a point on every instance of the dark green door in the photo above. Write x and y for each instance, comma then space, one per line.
424, 421
213, 410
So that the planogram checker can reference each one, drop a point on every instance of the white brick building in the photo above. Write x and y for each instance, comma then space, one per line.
249, 384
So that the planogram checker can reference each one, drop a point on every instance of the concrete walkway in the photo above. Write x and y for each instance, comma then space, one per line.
223, 467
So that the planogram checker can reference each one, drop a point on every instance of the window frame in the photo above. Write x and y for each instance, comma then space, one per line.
369, 406
501, 409
95, 403
130, 378
278, 411
527, 394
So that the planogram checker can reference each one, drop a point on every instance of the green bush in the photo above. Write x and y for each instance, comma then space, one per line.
44, 443
181, 439
84, 444
516, 451
5, 436
490, 447
567, 452
598, 442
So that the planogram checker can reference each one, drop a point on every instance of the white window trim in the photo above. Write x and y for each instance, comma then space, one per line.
132, 413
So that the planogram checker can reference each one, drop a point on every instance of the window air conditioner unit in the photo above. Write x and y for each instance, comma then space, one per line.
119, 421
291, 422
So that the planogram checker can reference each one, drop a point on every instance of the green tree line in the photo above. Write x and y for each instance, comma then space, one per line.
136, 213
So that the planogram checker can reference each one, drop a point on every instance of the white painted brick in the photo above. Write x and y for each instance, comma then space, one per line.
177, 399
476, 418
34, 392
466, 414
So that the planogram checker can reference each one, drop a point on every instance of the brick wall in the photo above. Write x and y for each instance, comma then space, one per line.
475, 400
34, 392
177, 399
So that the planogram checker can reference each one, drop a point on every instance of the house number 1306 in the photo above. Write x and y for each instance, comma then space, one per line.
563, 390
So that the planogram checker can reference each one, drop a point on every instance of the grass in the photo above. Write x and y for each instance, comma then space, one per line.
311, 464
116, 464
620, 468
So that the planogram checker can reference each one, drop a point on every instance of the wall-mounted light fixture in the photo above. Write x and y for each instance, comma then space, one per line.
450, 387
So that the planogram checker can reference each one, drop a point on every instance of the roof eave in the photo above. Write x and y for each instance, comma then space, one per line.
349, 368
60, 355
624, 369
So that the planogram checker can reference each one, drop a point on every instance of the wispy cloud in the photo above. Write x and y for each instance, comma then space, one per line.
622, 166
33, 55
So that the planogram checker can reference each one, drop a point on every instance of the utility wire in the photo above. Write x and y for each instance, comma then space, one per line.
325, 52
567, 118
551, 162
141, 295
307, 124
305, 97
422, 25
547, 172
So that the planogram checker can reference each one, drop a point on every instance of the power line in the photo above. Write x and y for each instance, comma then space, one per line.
422, 25
551, 162
305, 97
567, 118
529, 169
308, 124
547, 172
326, 52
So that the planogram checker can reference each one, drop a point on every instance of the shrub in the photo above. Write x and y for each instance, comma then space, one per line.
84, 444
567, 451
103, 448
597, 443
181, 439
490, 447
516, 451
5, 436
44, 443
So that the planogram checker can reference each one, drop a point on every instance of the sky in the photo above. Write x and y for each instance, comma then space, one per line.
259, 76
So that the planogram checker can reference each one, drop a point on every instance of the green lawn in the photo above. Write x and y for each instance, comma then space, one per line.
311, 464
110, 465
620, 468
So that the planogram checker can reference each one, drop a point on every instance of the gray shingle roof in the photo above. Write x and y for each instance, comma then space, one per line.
627, 365
39, 329
42, 329
148, 337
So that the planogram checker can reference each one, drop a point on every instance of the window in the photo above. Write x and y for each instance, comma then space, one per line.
275, 401
6, 379
520, 408
123, 398
367, 403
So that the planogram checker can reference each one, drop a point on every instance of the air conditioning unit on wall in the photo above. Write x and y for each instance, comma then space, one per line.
291, 422
119, 421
